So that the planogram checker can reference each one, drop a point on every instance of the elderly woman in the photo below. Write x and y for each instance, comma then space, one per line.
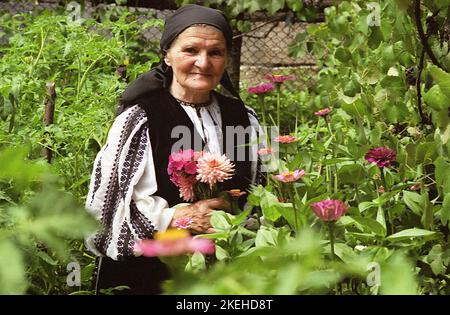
130, 191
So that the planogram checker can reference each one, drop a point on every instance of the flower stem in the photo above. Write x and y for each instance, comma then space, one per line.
278, 105
386, 189
291, 191
331, 230
263, 108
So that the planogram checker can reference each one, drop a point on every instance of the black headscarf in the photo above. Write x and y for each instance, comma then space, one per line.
160, 77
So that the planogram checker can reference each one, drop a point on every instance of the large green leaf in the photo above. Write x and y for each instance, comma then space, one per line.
367, 225
414, 201
410, 234
436, 99
219, 220
442, 78
445, 210
442, 173
351, 174
266, 237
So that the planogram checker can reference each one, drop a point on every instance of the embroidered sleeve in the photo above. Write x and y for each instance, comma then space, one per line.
122, 187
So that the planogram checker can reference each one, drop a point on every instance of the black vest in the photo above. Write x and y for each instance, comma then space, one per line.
165, 115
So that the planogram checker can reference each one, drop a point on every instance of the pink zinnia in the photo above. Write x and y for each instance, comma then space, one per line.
202, 245
183, 223
323, 112
289, 176
285, 139
329, 210
186, 185
261, 89
279, 78
173, 242
265, 151
213, 168
382, 156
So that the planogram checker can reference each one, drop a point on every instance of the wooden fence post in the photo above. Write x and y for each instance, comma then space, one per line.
49, 113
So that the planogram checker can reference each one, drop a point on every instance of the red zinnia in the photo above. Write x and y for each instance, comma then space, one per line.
382, 156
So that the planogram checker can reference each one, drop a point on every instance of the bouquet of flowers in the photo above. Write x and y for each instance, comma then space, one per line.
197, 174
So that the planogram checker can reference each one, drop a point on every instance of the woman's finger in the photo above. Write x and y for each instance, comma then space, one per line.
219, 203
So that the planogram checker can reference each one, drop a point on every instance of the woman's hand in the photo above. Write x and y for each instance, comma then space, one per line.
200, 213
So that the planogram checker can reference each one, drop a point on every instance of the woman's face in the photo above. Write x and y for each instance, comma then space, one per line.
198, 57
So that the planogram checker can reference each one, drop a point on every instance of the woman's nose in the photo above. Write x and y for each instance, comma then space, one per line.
202, 60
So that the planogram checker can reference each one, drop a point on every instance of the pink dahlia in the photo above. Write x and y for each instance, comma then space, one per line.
182, 161
323, 112
382, 157
329, 210
285, 139
261, 89
213, 168
279, 78
289, 176
186, 185
183, 223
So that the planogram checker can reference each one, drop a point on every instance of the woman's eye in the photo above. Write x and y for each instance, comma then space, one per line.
190, 50
216, 53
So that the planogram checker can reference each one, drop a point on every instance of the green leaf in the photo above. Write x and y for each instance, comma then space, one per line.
287, 211
425, 152
342, 54
381, 218
351, 174
436, 99
221, 254
266, 237
219, 220
196, 263
438, 259
414, 201
355, 109
427, 217
268, 206
365, 205
445, 210
236, 220
442, 78
409, 234
371, 225
274, 6
375, 37
442, 173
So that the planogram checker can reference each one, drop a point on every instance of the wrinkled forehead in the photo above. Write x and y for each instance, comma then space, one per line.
198, 33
